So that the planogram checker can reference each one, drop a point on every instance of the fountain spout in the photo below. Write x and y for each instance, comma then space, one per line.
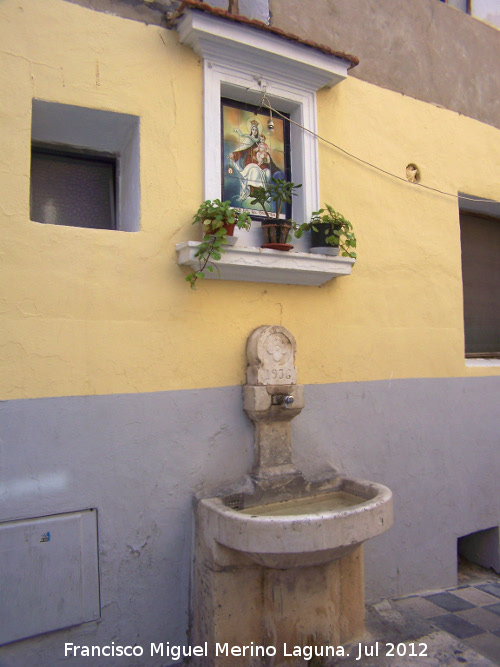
283, 399
272, 398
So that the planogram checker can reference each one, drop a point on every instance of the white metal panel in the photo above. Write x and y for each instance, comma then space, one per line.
49, 576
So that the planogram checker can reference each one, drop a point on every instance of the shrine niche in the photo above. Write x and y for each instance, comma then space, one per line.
255, 149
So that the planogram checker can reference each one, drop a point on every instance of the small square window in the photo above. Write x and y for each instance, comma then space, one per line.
480, 238
462, 5
85, 167
73, 189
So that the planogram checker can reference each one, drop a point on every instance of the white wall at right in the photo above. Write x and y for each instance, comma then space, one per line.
486, 10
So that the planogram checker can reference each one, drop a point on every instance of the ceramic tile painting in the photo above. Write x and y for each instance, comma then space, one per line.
251, 154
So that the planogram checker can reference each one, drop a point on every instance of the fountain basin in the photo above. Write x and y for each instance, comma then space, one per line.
311, 529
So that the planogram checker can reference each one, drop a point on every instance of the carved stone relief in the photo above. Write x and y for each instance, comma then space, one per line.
271, 354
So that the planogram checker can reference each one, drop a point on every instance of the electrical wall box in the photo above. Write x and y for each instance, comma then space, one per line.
49, 576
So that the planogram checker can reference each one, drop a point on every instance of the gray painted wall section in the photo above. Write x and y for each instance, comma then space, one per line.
138, 459
425, 49
436, 444
156, 11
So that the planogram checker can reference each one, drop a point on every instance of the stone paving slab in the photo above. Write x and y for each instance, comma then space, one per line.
420, 606
475, 595
449, 601
494, 608
458, 627
436, 649
481, 617
487, 645
472, 618
491, 588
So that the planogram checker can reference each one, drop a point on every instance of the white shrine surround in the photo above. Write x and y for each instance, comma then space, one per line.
240, 62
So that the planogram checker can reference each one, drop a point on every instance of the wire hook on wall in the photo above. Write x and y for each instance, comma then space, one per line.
265, 103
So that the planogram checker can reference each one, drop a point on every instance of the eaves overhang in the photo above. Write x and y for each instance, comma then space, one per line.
222, 37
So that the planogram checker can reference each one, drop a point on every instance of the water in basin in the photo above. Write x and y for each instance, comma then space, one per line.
328, 502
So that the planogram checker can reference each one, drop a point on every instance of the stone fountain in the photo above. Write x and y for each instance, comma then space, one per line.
279, 558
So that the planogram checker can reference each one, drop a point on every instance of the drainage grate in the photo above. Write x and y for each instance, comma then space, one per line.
234, 502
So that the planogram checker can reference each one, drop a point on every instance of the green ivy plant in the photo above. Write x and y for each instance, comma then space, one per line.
215, 216
341, 232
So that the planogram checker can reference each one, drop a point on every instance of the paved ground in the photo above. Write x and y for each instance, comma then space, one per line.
455, 627
458, 627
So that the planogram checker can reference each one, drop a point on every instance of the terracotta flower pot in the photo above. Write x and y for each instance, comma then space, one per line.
229, 229
276, 235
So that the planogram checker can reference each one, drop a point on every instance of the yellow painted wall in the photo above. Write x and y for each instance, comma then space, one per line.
96, 312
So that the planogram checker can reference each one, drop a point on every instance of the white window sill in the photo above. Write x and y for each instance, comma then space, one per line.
268, 266
482, 363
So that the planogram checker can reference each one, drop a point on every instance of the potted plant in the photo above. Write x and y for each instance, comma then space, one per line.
331, 233
218, 220
276, 230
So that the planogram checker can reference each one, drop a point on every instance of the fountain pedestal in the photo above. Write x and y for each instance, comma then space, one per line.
278, 576
272, 611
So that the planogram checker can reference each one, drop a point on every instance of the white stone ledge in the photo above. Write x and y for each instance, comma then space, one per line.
482, 362
268, 266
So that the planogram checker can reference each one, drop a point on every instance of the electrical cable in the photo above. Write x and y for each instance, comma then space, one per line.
265, 102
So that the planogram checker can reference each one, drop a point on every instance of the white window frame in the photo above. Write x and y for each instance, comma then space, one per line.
240, 63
